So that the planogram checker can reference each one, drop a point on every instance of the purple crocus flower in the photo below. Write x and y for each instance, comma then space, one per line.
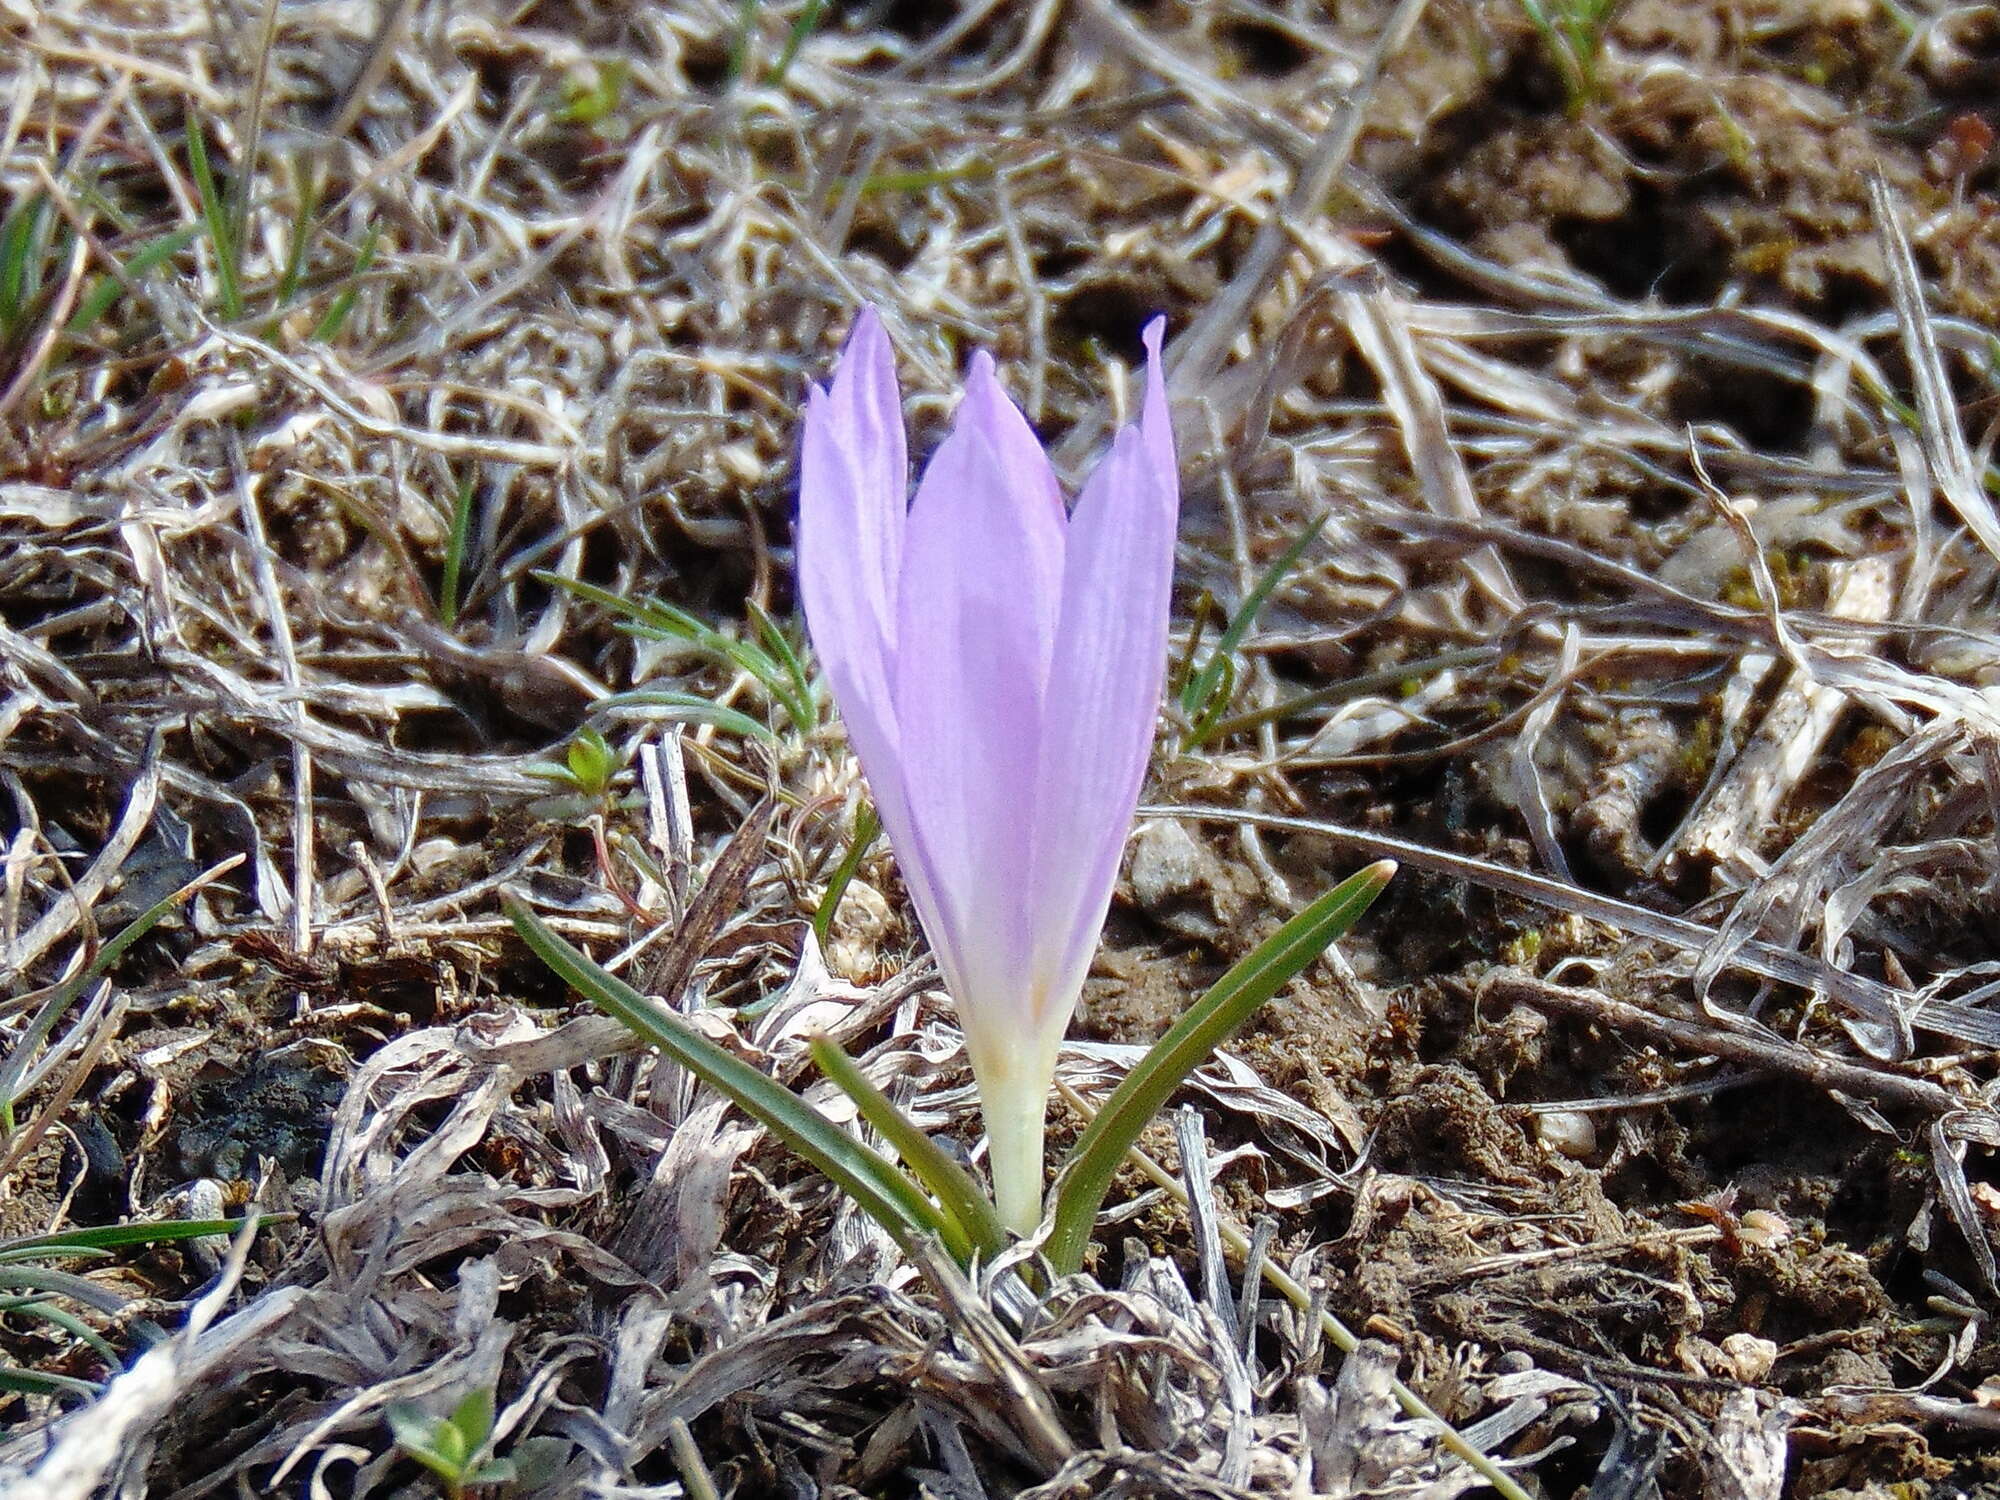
998, 663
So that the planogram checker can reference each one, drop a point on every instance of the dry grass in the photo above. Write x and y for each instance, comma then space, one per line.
1652, 626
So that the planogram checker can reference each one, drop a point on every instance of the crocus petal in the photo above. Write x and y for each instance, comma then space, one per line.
853, 495
982, 575
854, 479
1103, 694
1156, 428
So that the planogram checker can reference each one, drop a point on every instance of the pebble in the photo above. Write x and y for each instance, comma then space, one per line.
1568, 1132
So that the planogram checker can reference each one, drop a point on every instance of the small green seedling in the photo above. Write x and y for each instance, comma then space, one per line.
591, 96
588, 768
453, 1447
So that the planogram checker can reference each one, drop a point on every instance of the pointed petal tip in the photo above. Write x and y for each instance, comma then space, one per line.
867, 325
991, 413
868, 359
1156, 417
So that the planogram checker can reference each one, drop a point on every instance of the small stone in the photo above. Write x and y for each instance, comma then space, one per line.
1749, 1358
1178, 882
1167, 861
1763, 1228
1567, 1132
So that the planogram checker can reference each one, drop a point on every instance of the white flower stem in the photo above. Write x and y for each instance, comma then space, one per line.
1014, 1097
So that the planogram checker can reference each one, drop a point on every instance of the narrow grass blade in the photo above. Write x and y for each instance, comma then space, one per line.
1212, 691
105, 1237
1180, 672
15, 1078
802, 28
653, 618
774, 664
692, 708
799, 699
867, 828
328, 328
69, 1322
103, 294
64, 995
875, 1183
1198, 697
739, 43
917, 182
21, 246
454, 551
1086, 1176
301, 232
38, 1383
61, 1284
1403, 674
215, 215
651, 613
250, 132
957, 1194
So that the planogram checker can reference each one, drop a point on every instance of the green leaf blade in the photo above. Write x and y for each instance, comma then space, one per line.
802, 28
867, 828
472, 1418
1086, 1176
456, 541
876, 1184
103, 294
105, 1237
215, 215
328, 328
64, 995
957, 1194
692, 708
18, 1381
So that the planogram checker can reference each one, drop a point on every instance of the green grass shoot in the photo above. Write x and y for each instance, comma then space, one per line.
216, 217
449, 596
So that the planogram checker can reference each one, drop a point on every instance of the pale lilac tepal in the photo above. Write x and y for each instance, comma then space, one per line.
998, 664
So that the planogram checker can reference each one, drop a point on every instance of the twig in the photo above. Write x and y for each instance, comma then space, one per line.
1770, 1052
687, 1458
